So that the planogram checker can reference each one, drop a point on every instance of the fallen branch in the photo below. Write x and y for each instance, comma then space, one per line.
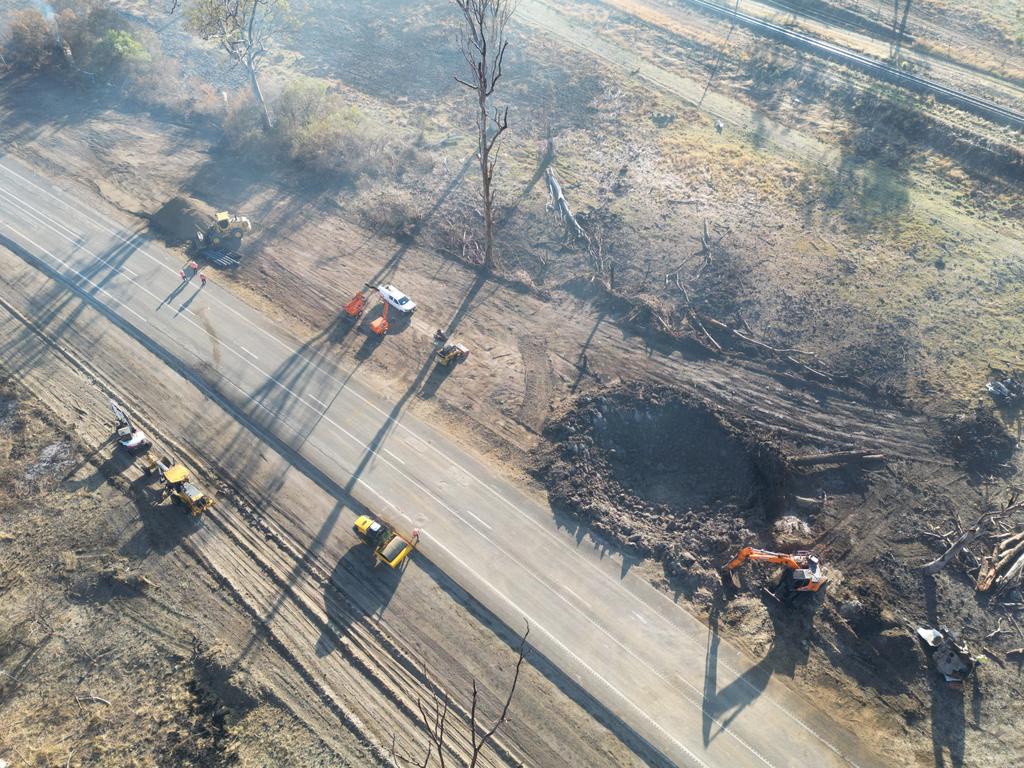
836, 457
97, 699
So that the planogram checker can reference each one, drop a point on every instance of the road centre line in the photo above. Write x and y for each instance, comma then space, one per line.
396, 458
482, 522
252, 355
440, 502
616, 584
486, 486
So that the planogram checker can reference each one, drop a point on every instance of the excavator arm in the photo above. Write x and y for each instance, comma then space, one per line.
806, 573
761, 556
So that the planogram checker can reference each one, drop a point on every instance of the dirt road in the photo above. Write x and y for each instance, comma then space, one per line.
111, 296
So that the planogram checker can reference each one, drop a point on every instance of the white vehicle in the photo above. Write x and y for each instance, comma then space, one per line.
396, 299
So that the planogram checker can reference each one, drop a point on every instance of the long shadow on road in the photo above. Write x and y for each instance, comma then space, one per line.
289, 451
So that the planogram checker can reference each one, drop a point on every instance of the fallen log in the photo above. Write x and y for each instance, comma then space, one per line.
1013, 575
1016, 653
558, 203
967, 537
1010, 541
836, 457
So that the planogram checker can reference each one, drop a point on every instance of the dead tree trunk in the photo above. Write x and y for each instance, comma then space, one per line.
558, 204
483, 43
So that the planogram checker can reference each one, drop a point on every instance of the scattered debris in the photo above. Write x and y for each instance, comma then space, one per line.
950, 657
1008, 391
53, 460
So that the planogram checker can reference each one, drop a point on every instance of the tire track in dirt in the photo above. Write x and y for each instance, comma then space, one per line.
538, 385
256, 565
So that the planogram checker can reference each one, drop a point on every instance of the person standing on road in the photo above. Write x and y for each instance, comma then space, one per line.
202, 279
181, 274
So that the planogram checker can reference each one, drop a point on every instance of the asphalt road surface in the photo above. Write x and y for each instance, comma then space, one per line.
676, 685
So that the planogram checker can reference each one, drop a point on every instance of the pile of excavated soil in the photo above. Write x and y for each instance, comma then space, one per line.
178, 220
664, 473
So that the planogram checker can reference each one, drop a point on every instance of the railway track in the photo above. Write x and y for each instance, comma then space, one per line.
878, 69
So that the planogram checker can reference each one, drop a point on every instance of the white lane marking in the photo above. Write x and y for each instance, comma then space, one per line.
641, 618
468, 524
482, 522
130, 272
593, 672
613, 582
549, 587
396, 458
250, 354
575, 595
316, 399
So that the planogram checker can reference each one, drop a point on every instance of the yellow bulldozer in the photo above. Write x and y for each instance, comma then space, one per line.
177, 484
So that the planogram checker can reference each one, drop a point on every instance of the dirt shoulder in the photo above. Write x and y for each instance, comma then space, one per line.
116, 647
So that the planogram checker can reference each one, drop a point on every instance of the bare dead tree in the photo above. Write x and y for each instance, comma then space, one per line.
436, 720
244, 29
483, 42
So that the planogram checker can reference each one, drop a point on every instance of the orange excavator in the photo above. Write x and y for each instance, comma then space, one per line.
804, 572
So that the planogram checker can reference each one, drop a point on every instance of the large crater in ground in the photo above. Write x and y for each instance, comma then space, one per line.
660, 469
674, 453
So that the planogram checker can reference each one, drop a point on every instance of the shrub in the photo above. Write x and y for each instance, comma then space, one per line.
118, 50
32, 43
392, 212
318, 130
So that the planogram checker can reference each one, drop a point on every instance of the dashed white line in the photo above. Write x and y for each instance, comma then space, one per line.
389, 453
482, 522
250, 354
575, 595
300, 397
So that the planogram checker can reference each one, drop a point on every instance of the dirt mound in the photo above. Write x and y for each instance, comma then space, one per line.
980, 442
178, 220
650, 466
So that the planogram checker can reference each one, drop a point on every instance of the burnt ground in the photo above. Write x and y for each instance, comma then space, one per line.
115, 648
672, 477
897, 267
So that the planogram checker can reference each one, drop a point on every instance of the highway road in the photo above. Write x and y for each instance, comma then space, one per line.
688, 693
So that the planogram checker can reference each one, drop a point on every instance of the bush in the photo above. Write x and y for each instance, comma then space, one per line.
392, 212
318, 131
32, 43
117, 50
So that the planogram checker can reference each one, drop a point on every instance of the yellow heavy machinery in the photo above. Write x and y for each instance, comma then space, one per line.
177, 484
452, 353
224, 234
802, 572
389, 546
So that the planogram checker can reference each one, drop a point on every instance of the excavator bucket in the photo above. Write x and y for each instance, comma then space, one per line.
731, 581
